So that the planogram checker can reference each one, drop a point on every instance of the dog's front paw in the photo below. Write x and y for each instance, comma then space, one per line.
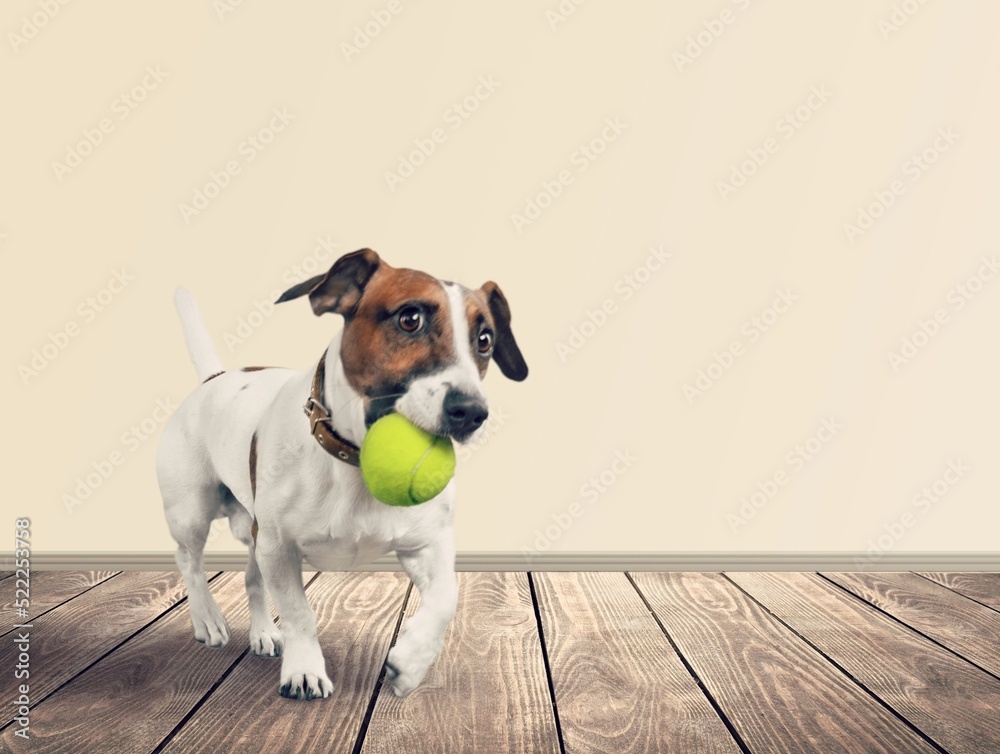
303, 672
408, 663
304, 679
266, 641
306, 686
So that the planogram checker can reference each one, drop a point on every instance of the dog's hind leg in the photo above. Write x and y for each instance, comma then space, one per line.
265, 637
190, 510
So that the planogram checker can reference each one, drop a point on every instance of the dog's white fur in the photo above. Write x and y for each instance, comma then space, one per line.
307, 504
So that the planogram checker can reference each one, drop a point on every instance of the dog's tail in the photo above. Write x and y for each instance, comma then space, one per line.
199, 342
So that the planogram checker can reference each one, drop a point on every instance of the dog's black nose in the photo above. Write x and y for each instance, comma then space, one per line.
463, 414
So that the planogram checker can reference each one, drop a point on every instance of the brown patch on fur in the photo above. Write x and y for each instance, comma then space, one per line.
477, 313
253, 465
212, 376
377, 356
505, 351
253, 481
340, 289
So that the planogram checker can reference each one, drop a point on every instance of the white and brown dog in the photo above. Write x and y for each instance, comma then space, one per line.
240, 447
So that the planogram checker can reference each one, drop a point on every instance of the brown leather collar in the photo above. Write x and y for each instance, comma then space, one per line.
321, 425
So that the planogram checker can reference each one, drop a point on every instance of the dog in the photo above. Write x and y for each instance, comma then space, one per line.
239, 447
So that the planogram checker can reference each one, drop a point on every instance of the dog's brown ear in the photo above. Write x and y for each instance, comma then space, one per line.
505, 351
340, 289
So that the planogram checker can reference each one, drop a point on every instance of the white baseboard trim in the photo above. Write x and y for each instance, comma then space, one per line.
560, 561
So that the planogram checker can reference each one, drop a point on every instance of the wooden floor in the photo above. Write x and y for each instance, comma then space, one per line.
540, 662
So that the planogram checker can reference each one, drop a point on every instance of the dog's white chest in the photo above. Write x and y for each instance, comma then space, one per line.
365, 531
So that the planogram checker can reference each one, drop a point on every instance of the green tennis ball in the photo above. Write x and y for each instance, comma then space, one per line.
404, 465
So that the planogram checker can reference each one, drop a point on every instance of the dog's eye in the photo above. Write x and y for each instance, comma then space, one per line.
485, 342
411, 320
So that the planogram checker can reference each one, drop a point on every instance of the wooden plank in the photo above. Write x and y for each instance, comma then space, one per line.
157, 678
356, 615
619, 685
67, 639
982, 587
966, 627
778, 693
48, 589
949, 700
487, 691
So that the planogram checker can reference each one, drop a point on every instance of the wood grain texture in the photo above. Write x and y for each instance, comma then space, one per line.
779, 694
356, 614
48, 589
983, 587
619, 685
67, 639
487, 691
616, 676
949, 700
132, 699
970, 629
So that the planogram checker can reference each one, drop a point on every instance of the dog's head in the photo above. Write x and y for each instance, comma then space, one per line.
415, 344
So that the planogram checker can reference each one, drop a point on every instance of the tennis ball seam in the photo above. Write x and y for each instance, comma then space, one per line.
416, 468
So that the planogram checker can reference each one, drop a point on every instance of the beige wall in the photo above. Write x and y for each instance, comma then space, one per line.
868, 96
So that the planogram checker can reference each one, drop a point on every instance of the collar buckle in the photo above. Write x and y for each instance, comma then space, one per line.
311, 405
